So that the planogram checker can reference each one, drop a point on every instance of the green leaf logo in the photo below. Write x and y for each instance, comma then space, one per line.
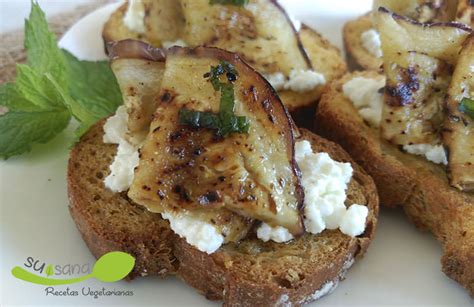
49, 270
111, 267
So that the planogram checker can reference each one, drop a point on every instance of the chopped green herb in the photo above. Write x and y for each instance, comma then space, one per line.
467, 107
229, 2
217, 71
225, 122
198, 119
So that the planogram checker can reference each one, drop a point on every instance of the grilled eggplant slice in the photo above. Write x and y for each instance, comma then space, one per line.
414, 95
138, 81
184, 169
458, 134
465, 12
439, 40
418, 60
421, 10
260, 32
163, 22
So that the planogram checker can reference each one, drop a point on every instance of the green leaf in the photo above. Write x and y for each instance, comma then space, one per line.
43, 53
38, 89
113, 266
49, 270
18, 129
11, 98
230, 2
467, 107
94, 90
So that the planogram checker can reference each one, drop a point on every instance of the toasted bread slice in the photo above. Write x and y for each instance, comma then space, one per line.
109, 221
420, 186
325, 58
247, 274
359, 58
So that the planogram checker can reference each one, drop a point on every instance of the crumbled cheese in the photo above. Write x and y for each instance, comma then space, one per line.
115, 127
353, 221
324, 182
277, 234
169, 44
134, 18
202, 235
299, 80
123, 167
366, 96
371, 42
433, 153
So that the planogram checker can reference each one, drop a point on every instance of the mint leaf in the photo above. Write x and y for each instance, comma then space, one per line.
37, 88
11, 98
94, 90
43, 53
467, 107
20, 129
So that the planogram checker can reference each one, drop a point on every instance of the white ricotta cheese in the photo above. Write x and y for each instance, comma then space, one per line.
134, 18
199, 234
371, 42
169, 44
433, 153
299, 80
366, 97
353, 221
123, 167
115, 127
277, 234
324, 182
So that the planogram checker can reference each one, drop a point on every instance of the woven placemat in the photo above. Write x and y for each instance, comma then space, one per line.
11, 48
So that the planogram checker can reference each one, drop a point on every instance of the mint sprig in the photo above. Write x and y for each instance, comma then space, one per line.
50, 89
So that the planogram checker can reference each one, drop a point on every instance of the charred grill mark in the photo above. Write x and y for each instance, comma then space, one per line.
179, 152
182, 193
208, 198
167, 96
175, 136
198, 151
266, 104
160, 194
402, 93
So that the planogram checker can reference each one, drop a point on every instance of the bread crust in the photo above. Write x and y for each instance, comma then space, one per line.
251, 273
358, 58
402, 179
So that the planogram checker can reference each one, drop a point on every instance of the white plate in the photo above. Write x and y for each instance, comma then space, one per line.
402, 266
